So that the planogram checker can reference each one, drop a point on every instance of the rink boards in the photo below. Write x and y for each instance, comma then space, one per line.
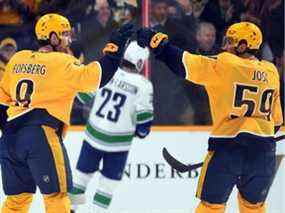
151, 186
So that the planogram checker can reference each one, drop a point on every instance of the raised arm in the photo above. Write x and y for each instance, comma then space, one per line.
113, 52
88, 78
196, 68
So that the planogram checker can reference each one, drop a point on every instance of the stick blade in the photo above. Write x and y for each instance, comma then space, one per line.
175, 164
179, 166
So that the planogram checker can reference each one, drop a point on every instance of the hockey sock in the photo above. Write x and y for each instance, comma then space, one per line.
17, 203
247, 207
104, 194
205, 207
54, 202
80, 182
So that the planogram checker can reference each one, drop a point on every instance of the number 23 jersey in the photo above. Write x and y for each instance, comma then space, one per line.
127, 100
243, 93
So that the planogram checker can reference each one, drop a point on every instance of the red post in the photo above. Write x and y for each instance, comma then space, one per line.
145, 23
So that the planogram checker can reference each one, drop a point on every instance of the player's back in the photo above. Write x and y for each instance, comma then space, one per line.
123, 103
243, 96
114, 108
40, 80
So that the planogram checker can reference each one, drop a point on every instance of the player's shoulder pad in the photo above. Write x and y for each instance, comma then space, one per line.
270, 66
65, 56
224, 55
18, 56
227, 58
22, 53
68, 59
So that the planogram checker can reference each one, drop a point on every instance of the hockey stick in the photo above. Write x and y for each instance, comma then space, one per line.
179, 166
279, 138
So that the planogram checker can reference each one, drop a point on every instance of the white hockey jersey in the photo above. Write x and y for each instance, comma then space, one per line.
127, 100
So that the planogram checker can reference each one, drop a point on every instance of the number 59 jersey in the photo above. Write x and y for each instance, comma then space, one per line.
127, 100
243, 93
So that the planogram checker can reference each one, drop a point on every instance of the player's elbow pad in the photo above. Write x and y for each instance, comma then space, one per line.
109, 67
142, 130
3, 116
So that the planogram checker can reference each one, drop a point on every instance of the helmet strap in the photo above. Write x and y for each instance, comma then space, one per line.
54, 46
240, 50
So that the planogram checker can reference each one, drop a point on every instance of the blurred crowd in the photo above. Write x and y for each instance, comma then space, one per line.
194, 25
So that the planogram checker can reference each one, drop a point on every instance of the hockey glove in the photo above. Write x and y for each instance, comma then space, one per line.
117, 42
150, 38
142, 130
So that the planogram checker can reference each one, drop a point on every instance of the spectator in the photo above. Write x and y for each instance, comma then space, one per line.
103, 12
134, 3
221, 13
8, 48
181, 36
77, 12
252, 11
186, 6
273, 24
159, 13
52, 6
121, 3
13, 12
189, 20
198, 7
128, 13
32, 5
172, 10
96, 27
268, 14
172, 26
206, 39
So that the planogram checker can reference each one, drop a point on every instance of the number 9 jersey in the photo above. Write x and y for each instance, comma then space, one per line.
39, 80
244, 94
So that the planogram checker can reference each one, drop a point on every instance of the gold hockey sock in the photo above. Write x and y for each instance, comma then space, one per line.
17, 203
205, 207
247, 207
57, 201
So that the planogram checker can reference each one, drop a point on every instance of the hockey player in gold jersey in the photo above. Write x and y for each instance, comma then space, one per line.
39, 87
245, 105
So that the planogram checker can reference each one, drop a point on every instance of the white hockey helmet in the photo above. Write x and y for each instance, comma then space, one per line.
136, 55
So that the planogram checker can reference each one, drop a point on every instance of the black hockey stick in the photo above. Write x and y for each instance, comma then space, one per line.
179, 166
279, 138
